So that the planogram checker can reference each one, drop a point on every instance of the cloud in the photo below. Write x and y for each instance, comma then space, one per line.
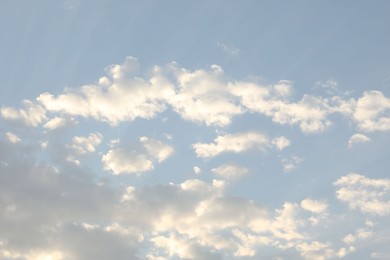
197, 170
310, 113
372, 112
32, 115
202, 96
68, 213
156, 148
314, 206
230, 171
128, 160
114, 98
361, 234
57, 203
357, 139
229, 49
368, 195
205, 96
59, 122
236, 143
13, 138
289, 164
82, 145
281, 142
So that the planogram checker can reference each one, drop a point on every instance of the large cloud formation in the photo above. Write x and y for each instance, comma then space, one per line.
204, 96
64, 195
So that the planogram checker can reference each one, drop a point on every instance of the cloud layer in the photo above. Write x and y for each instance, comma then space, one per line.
64, 192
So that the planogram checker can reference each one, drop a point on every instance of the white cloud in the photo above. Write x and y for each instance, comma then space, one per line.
368, 195
193, 219
115, 98
236, 143
82, 144
281, 142
314, 206
197, 170
357, 139
202, 96
52, 198
13, 138
127, 160
372, 112
120, 161
289, 164
156, 148
32, 115
230, 171
59, 122
360, 234
54, 123
310, 113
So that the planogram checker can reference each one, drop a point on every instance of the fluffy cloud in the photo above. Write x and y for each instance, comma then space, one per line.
13, 138
373, 112
117, 97
58, 122
82, 144
230, 171
314, 206
197, 170
156, 148
236, 143
363, 193
127, 160
53, 209
281, 142
32, 115
310, 113
290, 163
357, 139
202, 96
61, 208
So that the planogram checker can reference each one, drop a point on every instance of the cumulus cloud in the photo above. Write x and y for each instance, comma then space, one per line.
310, 113
360, 234
54, 205
59, 122
236, 143
202, 96
281, 142
357, 139
115, 98
129, 160
62, 208
314, 206
156, 148
372, 112
32, 114
197, 170
290, 163
230, 171
82, 144
370, 196
13, 138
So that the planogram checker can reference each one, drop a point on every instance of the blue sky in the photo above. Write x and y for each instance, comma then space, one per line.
194, 130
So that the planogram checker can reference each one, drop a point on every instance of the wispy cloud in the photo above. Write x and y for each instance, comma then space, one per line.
229, 49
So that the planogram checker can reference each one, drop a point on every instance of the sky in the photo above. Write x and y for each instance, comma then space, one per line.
194, 129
